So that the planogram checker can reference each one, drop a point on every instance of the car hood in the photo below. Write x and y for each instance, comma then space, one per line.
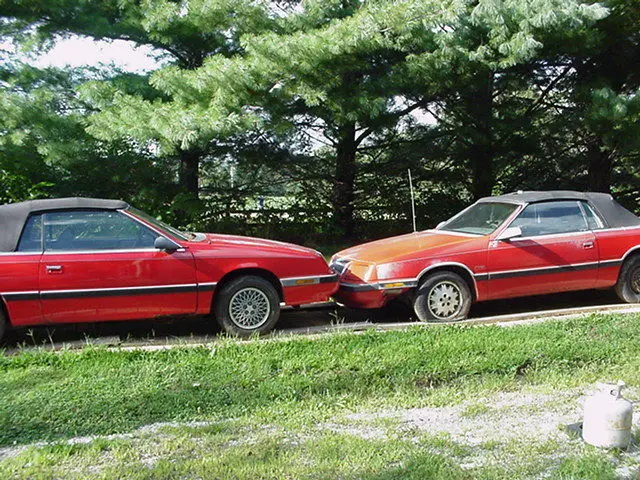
404, 246
260, 244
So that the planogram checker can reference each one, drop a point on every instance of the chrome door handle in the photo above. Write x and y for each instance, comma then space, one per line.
587, 245
54, 268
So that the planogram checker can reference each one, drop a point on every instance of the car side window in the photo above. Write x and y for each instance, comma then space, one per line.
31, 238
549, 218
593, 219
94, 230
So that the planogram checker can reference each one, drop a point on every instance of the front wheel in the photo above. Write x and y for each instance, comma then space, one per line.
247, 305
628, 286
442, 297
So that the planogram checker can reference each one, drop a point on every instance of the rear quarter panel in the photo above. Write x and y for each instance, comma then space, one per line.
19, 273
613, 247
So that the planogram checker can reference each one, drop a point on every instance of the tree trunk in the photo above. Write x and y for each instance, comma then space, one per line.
345, 175
189, 171
481, 152
600, 167
482, 170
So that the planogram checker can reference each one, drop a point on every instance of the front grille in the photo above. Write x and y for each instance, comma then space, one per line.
339, 265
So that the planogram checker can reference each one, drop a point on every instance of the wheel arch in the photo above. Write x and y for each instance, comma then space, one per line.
5, 311
630, 253
459, 268
241, 272
633, 252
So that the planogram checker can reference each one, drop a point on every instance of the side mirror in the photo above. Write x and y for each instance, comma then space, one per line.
509, 233
163, 243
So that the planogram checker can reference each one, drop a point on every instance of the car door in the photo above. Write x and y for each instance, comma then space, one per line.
101, 265
556, 252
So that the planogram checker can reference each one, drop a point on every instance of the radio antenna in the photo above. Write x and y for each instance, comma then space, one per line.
413, 202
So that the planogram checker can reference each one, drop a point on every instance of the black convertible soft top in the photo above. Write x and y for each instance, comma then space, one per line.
612, 213
14, 215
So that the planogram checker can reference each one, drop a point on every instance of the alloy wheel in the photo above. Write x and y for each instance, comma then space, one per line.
249, 308
445, 300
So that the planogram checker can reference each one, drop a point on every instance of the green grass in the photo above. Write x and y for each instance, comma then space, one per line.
328, 456
294, 385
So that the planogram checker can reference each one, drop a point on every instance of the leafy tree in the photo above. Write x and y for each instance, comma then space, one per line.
605, 92
328, 102
45, 150
352, 70
183, 33
583, 115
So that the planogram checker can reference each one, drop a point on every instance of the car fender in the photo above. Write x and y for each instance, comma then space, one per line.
443, 266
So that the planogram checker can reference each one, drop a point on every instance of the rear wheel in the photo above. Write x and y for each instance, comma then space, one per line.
3, 324
442, 297
247, 305
628, 286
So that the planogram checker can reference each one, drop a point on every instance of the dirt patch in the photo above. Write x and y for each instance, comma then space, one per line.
507, 428
145, 430
501, 418
498, 430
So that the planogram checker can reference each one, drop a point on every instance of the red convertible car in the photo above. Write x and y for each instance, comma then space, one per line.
513, 245
81, 259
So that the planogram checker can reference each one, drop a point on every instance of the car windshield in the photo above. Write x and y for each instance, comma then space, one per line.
481, 218
161, 225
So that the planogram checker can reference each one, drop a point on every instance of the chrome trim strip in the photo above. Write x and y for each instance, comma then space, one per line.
385, 285
207, 286
359, 287
543, 270
27, 295
316, 279
615, 229
116, 292
498, 272
392, 285
456, 234
120, 288
551, 235
611, 263
573, 267
85, 252
100, 292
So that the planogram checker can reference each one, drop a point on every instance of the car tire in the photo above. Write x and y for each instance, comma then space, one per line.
628, 285
3, 324
246, 306
442, 297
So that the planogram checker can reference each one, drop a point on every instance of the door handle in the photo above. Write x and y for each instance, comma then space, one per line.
54, 268
587, 245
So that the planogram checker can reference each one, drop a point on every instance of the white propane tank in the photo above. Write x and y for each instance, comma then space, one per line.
608, 418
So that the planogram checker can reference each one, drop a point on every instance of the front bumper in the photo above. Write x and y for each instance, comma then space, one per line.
311, 289
371, 295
